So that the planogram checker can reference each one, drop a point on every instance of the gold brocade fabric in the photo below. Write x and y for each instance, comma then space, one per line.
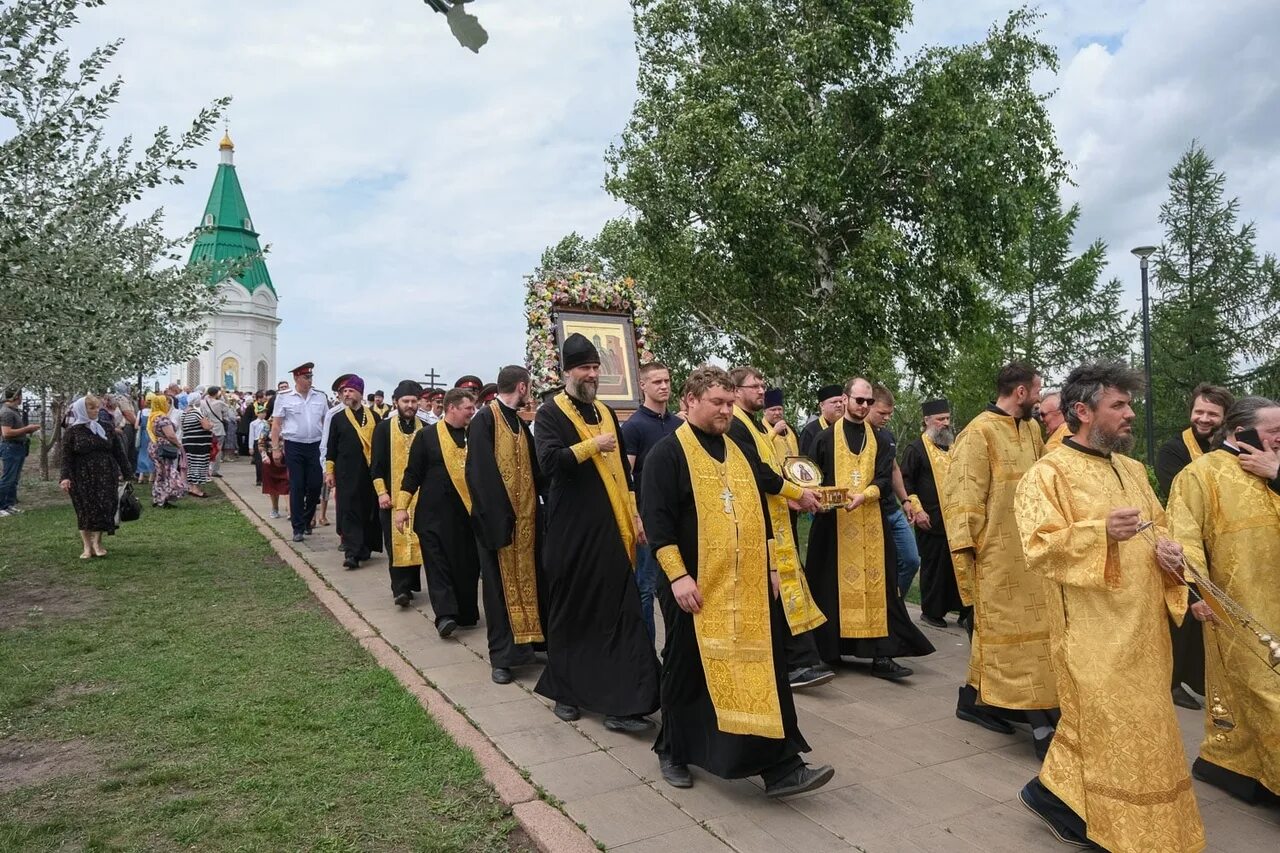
1193, 446
860, 542
404, 546
1055, 440
365, 432
785, 445
939, 464
609, 467
734, 637
517, 563
455, 462
1009, 657
1228, 520
803, 613
1116, 758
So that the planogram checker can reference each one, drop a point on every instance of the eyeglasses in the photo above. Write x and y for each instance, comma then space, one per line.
751, 387
863, 401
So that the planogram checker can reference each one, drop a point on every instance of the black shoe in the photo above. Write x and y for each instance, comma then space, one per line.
800, 780
502, 675
1042, 745
1061, 833
990, 722
811, 677
675, 775
890, 669
631, 725
309, 531
1183, 699
445, 625
933, 621
350, 563
568, 713
297, 537
402, 600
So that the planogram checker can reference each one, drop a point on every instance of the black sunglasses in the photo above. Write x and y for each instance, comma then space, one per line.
863, 401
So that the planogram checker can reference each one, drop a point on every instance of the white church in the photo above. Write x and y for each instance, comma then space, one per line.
242, 334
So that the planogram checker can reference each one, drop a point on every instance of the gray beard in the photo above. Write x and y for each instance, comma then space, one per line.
1111, 442
583, 391
941, 436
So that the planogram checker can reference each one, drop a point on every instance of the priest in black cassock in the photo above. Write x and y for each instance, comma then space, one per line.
505, 482
599, 656
348, 450
726, 703
830, 409
392, 439
437, 466
852, 564
924, 471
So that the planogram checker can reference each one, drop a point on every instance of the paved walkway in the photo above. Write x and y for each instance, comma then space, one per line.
910, 777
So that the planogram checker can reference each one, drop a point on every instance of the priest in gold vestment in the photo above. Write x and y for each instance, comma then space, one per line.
1010, 676
389, 458
726, 703
1053, 421
1225, 512
1093, 530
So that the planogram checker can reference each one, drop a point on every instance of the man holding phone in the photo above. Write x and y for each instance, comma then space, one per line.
1225, 512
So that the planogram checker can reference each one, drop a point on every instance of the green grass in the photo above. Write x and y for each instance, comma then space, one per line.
210, 702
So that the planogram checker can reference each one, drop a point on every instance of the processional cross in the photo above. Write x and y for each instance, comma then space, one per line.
432, 379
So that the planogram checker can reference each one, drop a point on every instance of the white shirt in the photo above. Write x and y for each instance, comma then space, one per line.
301, 419
324, 430
256, 429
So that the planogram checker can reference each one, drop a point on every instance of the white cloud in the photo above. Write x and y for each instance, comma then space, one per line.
406, 184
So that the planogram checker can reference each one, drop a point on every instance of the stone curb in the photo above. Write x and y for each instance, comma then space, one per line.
550, 829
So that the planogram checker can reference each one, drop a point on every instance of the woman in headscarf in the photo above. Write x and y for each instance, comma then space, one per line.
197, 441
92, 464
144, 466
165, 449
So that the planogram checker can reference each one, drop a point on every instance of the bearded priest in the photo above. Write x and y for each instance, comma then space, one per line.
726, 703
392, 439
1093, 530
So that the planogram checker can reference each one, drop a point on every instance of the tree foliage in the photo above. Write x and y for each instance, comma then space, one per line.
93, 292
815, 204
1216, 316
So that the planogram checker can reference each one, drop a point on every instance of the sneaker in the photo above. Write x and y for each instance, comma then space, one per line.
275, 513
810, 677
800, 780
990, 722
445, 626
1183, 699
675, 775
890, 669
933, 621
632, 725
568, 713
15, 510
5, 513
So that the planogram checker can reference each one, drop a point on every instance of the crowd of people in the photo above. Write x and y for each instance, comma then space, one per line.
1083, 592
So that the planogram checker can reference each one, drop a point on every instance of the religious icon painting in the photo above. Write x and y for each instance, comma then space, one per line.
615, 339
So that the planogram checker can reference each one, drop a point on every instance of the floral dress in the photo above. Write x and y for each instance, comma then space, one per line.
170, 482
93, 465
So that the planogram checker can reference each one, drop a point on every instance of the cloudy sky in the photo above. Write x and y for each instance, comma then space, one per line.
405, 185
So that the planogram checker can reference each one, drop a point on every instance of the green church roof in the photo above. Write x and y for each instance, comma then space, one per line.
226, 229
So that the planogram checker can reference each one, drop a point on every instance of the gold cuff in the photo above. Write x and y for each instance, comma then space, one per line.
872, 493
671, 562
403, 499
379, 486
631, 499
584, 450
791, 491
328, 466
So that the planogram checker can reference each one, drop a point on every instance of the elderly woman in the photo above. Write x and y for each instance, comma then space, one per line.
198, 442
93, 462
165, 449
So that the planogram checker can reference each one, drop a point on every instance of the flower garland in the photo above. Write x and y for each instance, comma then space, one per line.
550, 290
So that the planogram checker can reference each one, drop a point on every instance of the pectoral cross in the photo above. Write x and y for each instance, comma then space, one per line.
727, 497
856, 479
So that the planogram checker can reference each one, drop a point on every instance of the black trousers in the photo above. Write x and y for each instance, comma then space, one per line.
802, 652
503, 649
305, 480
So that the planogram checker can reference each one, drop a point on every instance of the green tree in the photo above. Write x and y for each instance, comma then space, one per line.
816, 203
1215, 316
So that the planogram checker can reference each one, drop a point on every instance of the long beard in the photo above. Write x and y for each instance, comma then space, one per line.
941, 436
584, 389
1111, 442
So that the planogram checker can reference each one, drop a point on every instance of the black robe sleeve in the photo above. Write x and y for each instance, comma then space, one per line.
1171, 458
662, 497
380, 464
913, 468
419, 456
808, 436
885, 445
491, 512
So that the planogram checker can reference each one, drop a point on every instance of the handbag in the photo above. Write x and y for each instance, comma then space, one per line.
167, 451
130, 506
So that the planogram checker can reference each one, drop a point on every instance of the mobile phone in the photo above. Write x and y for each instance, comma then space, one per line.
1249, 437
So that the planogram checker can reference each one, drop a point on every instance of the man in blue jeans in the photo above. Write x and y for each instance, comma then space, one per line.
899, 521
650, 424
14, 442
297, 423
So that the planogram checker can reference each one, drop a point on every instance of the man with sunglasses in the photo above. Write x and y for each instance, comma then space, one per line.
297, 424
852, 563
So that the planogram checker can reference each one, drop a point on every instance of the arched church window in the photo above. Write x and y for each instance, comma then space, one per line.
262, 375
248, 224
193, 373
208, 220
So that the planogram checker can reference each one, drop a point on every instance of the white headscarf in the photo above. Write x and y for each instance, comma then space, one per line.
80, 415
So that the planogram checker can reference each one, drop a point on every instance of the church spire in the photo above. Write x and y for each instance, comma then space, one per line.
227, 148
227, 232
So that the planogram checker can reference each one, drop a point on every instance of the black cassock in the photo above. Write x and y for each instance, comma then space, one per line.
808, 435
444, 529
599, 656
904, 638
357, 516
939, 594
689, 733
494, 522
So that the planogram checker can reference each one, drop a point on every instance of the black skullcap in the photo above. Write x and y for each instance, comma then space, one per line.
577, 351
826, 392
772, 397
408, 388
940, 406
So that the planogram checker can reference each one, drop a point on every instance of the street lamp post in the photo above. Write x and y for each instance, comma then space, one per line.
1143, 252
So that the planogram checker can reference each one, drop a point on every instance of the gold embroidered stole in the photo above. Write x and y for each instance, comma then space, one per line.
1193, 447
517, 562
365, 432
609, 467
785, 445
734, 637
455, 462
404, 546
940, 464
822, 423
860, 542
803, 614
